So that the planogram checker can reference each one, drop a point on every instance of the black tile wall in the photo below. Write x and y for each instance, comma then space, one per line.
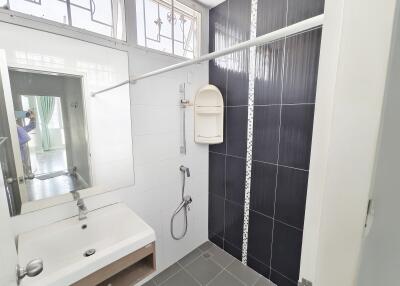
291, 196
236, 131
296, 134
266, 122
263, 181
271, 16
286, 252
301, 67
235, 179
216, 176
233, 223
238, 74
216, 215
284, 97
268, 81
299, 10
218, 21
260, 237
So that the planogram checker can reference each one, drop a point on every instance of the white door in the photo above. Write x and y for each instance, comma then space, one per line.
12, 171
9, 258
380, 254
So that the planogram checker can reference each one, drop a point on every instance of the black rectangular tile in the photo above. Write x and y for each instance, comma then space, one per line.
238, 74
286, 250
218, 27
221, 148
301, 67
216, 173
239, 20
234, 250
218, 40
233, 223
258, 266
299, 10
235, 179
266, 133
281, 280
217, 75
268, 80
236, 122
263, 181
216, 214
238, 80
291, 196
260, 237
271, 16
216, 239
296, 135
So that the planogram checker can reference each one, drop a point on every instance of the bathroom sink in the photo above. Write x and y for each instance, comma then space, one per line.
73, 249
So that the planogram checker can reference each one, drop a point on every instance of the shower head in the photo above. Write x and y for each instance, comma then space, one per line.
184, 170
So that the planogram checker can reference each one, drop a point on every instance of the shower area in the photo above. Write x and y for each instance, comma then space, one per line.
258, 180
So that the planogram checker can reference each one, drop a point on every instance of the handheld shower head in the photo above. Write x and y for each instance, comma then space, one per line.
185, 170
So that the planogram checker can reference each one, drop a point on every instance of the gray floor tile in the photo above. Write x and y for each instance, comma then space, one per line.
149, 283
220, 256
244, 273
262, 281
203, 269
205, 246
225, 279
167, 273
190, 257
180, 279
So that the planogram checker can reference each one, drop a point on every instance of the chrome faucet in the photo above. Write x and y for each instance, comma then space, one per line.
82, 209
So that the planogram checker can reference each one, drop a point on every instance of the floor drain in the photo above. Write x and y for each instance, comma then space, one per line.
89, 252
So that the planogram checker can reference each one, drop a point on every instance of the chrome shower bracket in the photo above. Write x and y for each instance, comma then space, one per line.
183, 104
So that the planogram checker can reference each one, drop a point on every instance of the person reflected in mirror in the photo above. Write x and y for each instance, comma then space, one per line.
24, 138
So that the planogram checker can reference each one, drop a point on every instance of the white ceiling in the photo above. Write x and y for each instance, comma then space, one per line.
211, 3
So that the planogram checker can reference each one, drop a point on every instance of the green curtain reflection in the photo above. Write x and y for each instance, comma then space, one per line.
46, 108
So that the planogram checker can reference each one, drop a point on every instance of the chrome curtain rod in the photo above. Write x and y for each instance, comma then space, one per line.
261, 40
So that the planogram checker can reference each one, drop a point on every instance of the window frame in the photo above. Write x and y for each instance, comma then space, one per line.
202, 38
41, 24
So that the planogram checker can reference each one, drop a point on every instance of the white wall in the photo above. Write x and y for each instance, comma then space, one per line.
155, 129
348, 109
380, 258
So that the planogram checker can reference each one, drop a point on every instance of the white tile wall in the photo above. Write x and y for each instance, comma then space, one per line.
155, 132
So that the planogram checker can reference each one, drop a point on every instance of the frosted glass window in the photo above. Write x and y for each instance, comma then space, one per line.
172, 28
106, 17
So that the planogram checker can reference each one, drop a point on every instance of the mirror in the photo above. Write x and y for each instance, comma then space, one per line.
46, 153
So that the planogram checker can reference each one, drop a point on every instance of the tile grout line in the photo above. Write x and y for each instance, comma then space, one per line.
258, 161
188, 273
250, 118
279, 142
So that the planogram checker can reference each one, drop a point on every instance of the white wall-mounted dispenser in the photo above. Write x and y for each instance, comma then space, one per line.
209, 116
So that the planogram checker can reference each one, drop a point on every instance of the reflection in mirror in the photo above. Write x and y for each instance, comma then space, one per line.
51, 139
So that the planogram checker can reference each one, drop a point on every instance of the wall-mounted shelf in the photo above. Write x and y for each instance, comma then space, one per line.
209, 116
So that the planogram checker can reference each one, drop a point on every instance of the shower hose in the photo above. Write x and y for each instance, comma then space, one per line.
184, 205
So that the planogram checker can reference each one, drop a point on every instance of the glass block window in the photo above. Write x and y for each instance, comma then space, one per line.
168, 26
105, 17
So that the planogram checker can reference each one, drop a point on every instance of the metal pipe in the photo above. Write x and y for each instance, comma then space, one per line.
261, 40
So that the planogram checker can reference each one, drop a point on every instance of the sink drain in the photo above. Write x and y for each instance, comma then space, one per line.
89, 252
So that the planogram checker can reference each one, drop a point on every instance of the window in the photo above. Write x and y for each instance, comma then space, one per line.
168, 26
106, 17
